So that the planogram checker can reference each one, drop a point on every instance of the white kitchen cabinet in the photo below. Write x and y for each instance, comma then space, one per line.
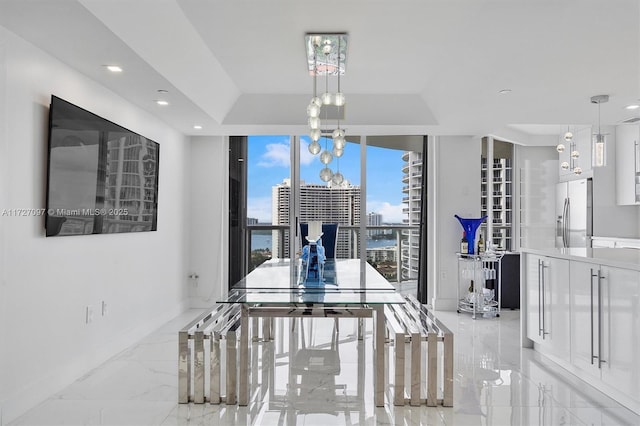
581, 143
547, 287
620, 340
605, 324
627, 164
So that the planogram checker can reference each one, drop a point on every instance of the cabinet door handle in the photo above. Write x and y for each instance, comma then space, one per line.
540, 298
635, 157
565, 223
600, 360
591, 309
544, 333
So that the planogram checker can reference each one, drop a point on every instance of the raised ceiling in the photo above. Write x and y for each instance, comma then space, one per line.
414, 67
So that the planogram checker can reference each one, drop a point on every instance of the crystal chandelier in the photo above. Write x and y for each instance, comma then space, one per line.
326, 56
574, 154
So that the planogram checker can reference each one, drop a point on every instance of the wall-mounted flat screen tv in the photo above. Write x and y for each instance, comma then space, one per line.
102, 178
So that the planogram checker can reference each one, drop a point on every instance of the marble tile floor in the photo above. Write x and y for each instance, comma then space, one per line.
496, 383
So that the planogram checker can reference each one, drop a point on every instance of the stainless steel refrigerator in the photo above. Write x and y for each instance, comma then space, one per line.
574, 213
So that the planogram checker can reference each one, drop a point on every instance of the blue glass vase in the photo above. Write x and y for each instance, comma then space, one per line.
470, 227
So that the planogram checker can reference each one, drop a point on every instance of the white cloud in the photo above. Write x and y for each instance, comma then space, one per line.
390, 213
259, 207
279, 155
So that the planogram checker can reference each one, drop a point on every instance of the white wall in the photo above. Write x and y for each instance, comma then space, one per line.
456, 163
209, 219
47, 283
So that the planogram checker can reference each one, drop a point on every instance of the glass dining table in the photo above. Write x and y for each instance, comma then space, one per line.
344, 288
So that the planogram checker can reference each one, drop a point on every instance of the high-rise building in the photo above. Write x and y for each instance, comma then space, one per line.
374, 219
412, 189
130, 183
327, 203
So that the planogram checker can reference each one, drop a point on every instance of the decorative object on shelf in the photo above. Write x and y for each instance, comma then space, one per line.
598, 140
574, 154
332, 47
464, 244
470, 227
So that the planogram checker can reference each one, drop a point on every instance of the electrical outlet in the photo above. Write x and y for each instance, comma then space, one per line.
104, 308
89, 314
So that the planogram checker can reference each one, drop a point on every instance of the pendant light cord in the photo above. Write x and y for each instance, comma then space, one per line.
599, 132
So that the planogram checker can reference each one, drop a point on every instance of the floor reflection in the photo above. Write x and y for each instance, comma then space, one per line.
321, 380
329, 381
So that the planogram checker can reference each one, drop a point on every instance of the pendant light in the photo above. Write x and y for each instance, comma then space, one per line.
598, 140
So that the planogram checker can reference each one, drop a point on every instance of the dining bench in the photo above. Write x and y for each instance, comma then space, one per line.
199, 350
409, 325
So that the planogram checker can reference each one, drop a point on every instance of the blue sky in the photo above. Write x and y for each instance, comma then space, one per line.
269, 163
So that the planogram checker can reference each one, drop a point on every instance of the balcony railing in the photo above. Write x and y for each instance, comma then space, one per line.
274, 243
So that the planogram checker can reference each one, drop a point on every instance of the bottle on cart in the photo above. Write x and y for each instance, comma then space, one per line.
471, 287
464, 244
480, 245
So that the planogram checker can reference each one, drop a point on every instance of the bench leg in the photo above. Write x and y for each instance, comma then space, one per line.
243, 393
214, 379
184, 370
416, 367
448, 370
398, 383
232, 352
198, 380
378, 387
432, 367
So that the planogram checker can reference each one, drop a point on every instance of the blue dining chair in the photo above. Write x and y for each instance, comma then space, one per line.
329, 238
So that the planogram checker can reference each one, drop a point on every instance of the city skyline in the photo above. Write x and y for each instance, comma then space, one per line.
268, 165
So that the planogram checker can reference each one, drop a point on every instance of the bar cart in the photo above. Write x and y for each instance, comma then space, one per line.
479, 284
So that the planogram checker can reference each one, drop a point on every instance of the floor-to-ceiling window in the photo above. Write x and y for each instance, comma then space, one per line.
388, 207
268, 193
394, 208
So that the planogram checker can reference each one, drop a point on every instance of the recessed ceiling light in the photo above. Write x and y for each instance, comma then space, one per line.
161, 102
114, 68
504, 91
632, 106
197, 127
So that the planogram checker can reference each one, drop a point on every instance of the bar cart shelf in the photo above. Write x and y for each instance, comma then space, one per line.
479, 284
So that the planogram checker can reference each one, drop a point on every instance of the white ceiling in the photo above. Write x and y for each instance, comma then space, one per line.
413, 67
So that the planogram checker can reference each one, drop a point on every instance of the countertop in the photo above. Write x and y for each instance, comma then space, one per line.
626, 258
